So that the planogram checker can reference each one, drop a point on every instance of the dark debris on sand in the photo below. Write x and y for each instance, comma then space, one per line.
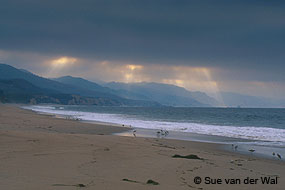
150, 181
190, 156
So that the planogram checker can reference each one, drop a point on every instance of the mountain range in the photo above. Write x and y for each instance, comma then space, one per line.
21, 86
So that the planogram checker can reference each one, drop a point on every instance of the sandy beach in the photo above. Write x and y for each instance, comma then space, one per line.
43, 152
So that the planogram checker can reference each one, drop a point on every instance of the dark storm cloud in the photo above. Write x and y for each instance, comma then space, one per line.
231, 34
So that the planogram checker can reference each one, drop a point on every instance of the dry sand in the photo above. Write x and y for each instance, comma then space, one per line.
39, 152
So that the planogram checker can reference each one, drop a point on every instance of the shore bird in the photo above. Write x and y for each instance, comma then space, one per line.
251, 150
279, 156
158, 135
161, 132
166, 132
134, 133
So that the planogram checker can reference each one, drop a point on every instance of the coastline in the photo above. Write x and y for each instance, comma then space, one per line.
85, 153
262, 148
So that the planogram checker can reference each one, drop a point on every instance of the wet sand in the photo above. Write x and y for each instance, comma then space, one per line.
43, 152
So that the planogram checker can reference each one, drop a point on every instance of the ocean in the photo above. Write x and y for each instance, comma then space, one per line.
251, 126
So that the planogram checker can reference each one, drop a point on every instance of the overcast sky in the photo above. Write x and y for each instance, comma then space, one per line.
222, 45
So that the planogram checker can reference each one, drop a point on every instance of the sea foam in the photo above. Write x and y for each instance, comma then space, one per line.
251, 133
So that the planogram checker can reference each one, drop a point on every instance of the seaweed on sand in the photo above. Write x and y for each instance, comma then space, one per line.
129, 180
77, 185
150, 181
190, 156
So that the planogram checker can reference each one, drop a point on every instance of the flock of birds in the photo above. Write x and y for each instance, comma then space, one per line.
159, 133
235, 147
70, 117
278, 155
162, 133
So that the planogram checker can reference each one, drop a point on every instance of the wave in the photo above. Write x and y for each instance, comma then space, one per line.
250, 132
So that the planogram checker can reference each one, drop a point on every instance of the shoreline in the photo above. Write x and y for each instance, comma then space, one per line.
226, 142
54, 151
